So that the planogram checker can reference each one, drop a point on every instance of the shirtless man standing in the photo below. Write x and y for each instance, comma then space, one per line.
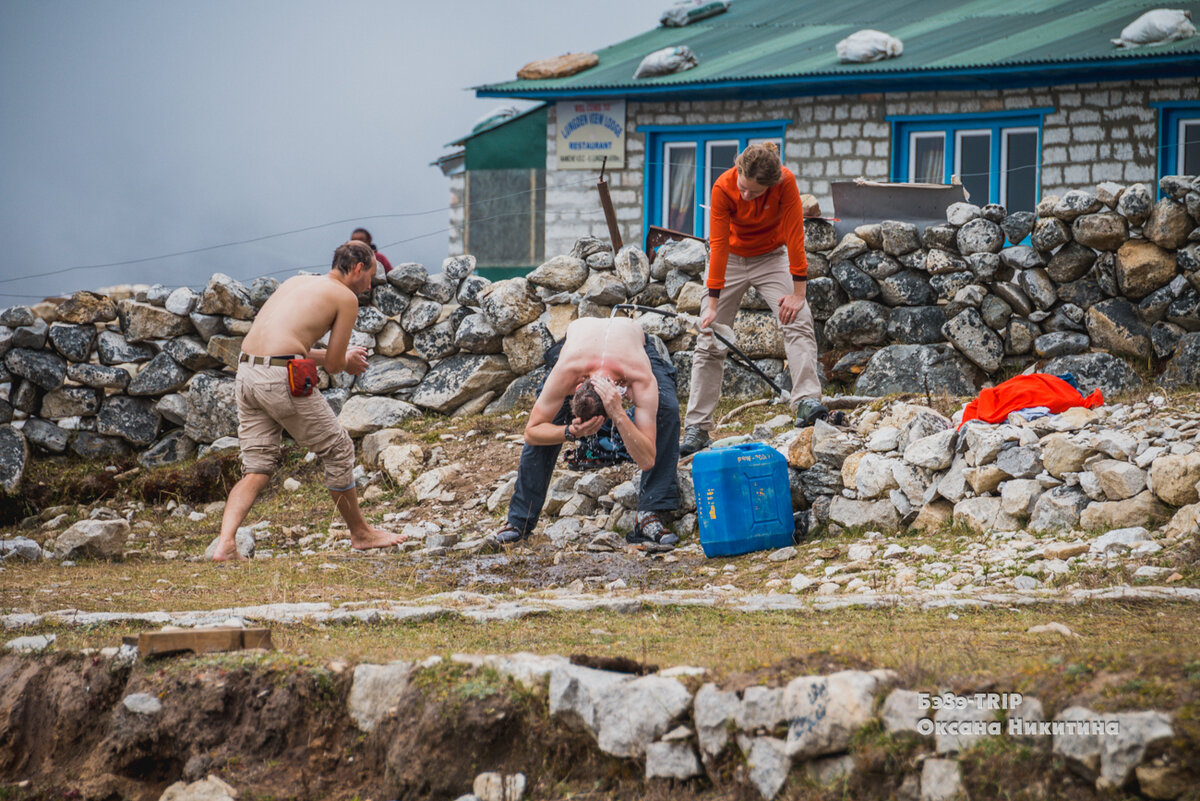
597, 363
296, 316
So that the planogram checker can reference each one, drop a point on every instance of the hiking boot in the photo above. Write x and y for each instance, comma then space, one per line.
809, 411
650, 529
695, 439
508, 535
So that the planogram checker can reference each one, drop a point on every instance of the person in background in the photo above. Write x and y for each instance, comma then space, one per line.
363, 235
756, 238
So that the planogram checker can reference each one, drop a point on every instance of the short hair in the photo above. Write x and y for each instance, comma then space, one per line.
586, 403
760, 163
364, 232
350, 254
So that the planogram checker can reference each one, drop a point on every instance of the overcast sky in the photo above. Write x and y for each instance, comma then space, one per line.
132, 129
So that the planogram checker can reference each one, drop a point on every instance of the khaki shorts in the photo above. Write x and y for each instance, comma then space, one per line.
266, 408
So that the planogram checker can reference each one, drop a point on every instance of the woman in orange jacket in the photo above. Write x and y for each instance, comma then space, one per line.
756, 239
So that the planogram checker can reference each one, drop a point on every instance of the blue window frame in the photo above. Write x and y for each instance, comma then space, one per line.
997, 156
1178, 138
683, 162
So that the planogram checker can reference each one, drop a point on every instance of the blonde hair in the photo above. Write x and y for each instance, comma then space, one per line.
760, 163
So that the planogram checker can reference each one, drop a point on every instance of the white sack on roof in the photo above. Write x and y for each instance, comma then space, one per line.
685, 12
666, 61
1157, 27
868, 45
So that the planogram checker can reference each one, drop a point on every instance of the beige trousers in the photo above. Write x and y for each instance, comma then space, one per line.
769, 275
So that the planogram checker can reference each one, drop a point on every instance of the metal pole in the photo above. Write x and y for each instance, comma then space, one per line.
610, 215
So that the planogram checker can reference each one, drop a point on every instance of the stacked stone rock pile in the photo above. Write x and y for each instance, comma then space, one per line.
1127, 468
1106, 273
807, 723
1109, 275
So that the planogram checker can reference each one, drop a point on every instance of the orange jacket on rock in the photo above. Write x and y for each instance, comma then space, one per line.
755, 227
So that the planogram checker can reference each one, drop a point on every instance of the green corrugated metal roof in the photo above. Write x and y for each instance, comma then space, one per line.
762, 40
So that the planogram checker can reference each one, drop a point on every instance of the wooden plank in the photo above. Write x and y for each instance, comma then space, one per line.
202, 641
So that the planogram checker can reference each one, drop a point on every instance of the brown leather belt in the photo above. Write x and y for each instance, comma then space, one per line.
267, 361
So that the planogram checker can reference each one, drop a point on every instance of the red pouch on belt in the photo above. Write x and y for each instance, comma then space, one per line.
302, 377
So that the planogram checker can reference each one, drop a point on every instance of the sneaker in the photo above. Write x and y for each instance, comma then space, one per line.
809, 411
694, 439
650, 529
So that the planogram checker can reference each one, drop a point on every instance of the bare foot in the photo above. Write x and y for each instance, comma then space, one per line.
227, 553
375, 538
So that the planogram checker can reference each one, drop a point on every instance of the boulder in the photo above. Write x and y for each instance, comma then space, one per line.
1096, 371
758, 334
1115, 326
45, 369
863, 515
856, 284
96, 446
385, 375
561, 274
916, 368
97, 539
98, 376
898, 238
75, 342
14, 454
113, 348
435, 342
1142, 267
633, 268
70, 402
45, 435
1017, 225
420, 314
375, 690
860, 322
141, 321
632, 714
408, 277
161, 376
1168, 225
824, 712
227, 297
1072, 261
85, 308
363, 414
1184, 368
211, 407
977, 342
877, 265
390, 301
189, 352
984, 514
1049, 233
526, 347
182, 301
174, 447
980, 236
132, 419
1119, 480
688, 256
458, 378
1174, 478
511, 304
1058, 509
1061, 343
456, 268
916, 325
1142, 509
1103, 231
907, 288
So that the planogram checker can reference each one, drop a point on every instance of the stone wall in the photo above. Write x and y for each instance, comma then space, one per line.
1109, 274
1097, 132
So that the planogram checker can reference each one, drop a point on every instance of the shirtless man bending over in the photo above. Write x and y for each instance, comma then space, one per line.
597, 363
297, 315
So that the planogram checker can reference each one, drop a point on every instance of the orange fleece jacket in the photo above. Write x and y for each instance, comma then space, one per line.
756, 227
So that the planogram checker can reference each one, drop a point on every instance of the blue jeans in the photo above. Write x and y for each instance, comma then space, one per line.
659, 491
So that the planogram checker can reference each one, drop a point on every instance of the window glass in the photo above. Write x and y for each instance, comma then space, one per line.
974, 164
719, 157
1020, 170
1189, 147
928, 161
679, 189
505, 217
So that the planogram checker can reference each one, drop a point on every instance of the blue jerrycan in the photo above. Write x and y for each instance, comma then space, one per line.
743, 499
